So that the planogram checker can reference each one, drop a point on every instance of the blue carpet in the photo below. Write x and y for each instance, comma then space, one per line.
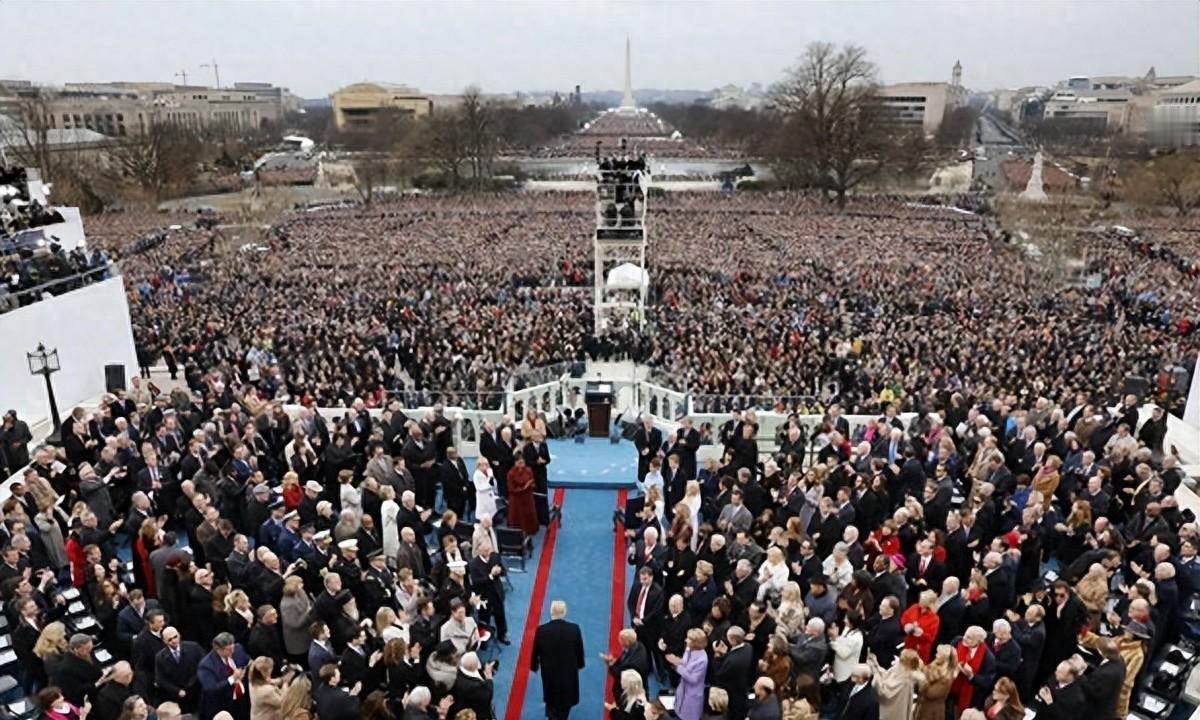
595, 463
581, 575
516, 604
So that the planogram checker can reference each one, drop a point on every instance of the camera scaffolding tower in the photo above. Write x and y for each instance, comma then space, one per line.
620, 241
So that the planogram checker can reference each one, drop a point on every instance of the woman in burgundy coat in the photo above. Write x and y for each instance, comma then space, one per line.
521, 512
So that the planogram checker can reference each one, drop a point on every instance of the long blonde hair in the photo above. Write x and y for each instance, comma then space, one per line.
233, 598
944, 664
631, 688
52, 641
296, 697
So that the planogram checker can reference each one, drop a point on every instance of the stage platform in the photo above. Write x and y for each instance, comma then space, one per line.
594, 464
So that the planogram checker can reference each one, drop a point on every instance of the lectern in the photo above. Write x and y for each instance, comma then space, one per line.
599, 399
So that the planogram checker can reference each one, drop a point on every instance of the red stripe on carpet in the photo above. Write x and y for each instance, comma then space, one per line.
616, 612
516, 695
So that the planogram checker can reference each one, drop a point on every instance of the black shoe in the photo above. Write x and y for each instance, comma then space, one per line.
504, 641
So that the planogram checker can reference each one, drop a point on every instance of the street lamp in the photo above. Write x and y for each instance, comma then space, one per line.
45, 362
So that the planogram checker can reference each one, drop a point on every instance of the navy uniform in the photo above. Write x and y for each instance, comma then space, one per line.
346, 564
379, 585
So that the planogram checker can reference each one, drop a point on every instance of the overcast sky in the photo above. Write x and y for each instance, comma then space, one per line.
315, 47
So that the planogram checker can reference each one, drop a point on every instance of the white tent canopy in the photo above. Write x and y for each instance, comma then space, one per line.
627, 277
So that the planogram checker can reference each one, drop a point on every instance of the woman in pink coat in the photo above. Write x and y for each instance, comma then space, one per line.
692, 667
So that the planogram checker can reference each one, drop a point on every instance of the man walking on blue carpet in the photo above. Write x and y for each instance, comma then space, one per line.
558, 655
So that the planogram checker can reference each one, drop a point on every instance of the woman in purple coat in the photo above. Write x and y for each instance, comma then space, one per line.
692, 667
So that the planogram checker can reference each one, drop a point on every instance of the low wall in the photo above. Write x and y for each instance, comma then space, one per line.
90, 327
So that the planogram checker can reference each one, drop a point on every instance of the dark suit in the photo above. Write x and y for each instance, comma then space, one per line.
862, 705
650, 442
108, 700
216, 694
146, 647
1008, 658
319, 656
353, 666
950, 619
1001, 587
1069, 703
1102, 687
130, 623
76, 678
24, 637
933, 576
634, 658
334, 703
172, 676
558, 655
1032, 639
768, 709
733, 674
470, 693
651, 621
885, 640
541, 501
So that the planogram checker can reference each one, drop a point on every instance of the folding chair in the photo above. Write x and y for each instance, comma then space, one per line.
514, 544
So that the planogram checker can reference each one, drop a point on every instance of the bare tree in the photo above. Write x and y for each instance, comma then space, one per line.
375, 170
76, 170
832, 136
479, 134
1176, 179
445, 144
163, 157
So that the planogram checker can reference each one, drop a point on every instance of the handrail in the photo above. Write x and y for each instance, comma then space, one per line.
7, 299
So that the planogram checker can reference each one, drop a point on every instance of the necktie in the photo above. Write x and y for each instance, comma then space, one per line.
641, 603
175, 654
237, 686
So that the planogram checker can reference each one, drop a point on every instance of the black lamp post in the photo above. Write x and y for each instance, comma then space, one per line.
44, 362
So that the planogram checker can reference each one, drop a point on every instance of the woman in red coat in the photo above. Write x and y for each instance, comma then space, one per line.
521, 512
146, 543
920, 622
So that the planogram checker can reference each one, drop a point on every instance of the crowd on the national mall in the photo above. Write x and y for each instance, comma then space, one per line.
1015, 545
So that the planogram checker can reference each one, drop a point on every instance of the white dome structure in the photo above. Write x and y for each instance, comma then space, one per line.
627, 276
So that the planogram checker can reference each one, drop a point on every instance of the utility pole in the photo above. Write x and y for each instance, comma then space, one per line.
216, 71
183, 74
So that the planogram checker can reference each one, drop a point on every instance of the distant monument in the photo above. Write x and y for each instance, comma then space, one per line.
1034, 192
627, 101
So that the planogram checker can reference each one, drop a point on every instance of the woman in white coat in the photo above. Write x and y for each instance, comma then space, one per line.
846, 645
390, 509
485, 488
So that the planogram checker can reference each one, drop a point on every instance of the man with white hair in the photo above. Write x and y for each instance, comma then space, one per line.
472, 688
558, 655
1001, 583
837, 567
416, 705
649, 553
862, 702
1005, 650
976, 668
484, 531
809, 651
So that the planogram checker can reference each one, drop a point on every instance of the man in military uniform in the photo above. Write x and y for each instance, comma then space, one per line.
378, 584
346, 564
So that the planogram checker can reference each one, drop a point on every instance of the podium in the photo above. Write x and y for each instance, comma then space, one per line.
598, 396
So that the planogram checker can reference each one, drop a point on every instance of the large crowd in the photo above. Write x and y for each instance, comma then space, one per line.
1017, 545
767, 300
978, 563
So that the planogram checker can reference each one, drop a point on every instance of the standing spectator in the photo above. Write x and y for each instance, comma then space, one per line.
558, 654
692, 669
